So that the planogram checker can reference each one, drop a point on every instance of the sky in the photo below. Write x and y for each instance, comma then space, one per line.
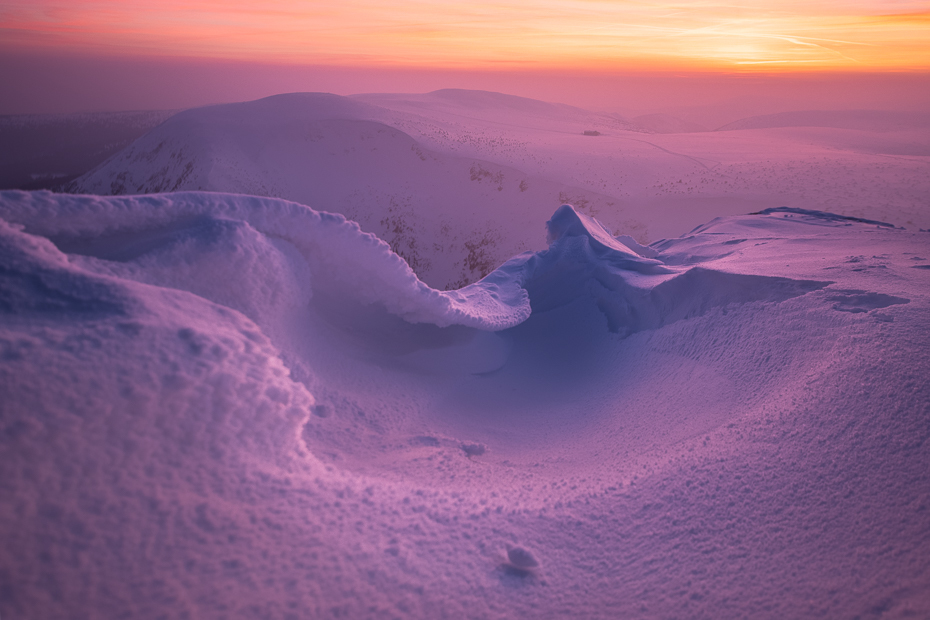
358, 43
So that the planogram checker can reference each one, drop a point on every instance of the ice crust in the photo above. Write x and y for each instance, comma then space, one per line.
222, 405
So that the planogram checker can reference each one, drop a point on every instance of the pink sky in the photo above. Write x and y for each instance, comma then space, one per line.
589, 34
104, 54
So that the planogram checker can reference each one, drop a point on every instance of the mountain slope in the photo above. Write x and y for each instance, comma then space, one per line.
320, 150
48, 151
863, 120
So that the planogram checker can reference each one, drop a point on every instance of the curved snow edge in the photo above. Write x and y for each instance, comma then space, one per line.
361, 262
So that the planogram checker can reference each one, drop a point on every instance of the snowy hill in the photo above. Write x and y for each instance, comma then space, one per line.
665, 183
862, 120
321, 150
218, 404
498, 109
664, 123
467, 169
48, 151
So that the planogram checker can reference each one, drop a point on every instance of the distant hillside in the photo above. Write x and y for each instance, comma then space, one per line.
453, 218
47, 151
500, 108
864, 120
664, 123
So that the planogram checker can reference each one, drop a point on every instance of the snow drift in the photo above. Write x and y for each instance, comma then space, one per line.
279, 253
226, 405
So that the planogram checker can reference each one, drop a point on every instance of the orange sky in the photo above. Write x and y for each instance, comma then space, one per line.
553, 34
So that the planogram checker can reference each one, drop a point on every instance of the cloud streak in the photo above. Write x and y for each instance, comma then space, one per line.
546, 33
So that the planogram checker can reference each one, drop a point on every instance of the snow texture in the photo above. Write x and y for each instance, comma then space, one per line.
202, 242
218, 405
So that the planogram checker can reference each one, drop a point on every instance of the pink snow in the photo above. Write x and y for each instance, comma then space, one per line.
226, 405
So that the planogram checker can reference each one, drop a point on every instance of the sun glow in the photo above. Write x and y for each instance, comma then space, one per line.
541, 33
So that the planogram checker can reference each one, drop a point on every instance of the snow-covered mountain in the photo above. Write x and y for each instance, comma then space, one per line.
861, 120
452, 218
47, 151
468, 169
223, 405
664, 123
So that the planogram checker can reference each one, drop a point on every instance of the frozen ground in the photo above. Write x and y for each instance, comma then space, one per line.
219, 405
457, 181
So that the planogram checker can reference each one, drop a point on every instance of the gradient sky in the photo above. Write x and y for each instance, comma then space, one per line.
479, 34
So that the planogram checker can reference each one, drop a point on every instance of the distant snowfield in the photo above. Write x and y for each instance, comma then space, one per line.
219, 405
455, 181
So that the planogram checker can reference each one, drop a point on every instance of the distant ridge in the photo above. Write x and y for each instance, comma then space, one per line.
495, 106
823, 215
864, 120
476, 99
46, 151
333, 154
664, 123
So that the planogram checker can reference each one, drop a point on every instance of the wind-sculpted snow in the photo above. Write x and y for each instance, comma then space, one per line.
566, 223
215, 405
281, 254
275, 251
584, 264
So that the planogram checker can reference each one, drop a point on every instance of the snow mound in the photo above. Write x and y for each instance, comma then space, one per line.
34, 282
566, 223
282, 254
584, 265
273, 250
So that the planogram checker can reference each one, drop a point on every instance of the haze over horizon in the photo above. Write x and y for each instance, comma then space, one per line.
624, 57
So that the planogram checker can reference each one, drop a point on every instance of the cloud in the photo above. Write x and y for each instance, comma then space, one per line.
554, 33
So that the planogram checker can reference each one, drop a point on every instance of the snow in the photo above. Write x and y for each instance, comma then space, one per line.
453, 180
861, 120
277, 252
227, 405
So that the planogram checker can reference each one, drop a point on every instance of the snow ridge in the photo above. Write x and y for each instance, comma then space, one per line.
335, 253
282, 254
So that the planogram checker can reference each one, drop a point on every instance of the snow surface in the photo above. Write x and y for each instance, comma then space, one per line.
454, 181
218, 405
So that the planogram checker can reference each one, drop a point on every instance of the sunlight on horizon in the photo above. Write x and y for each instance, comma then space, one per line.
588, 34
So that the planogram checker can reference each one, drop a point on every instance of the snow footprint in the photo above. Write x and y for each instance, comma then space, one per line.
855, 301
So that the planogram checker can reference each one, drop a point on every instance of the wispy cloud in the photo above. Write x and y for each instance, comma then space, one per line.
487, 33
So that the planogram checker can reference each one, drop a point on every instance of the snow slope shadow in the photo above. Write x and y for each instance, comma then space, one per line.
50, 289
586, 287
607, 324
631, 291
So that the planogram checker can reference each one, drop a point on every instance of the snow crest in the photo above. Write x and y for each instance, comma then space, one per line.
199, 239
281, 254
